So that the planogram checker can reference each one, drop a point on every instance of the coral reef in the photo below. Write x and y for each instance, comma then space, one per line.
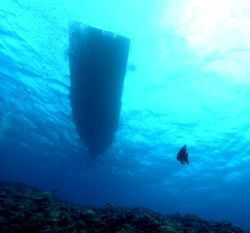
24, 209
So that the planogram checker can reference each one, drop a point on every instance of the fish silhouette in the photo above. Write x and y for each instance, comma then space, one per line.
182, 155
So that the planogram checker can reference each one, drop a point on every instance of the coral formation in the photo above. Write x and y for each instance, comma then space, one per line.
24, 209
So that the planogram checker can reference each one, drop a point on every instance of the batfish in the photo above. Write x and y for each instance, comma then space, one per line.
182, 155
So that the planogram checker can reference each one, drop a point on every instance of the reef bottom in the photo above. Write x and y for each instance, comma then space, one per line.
24, 209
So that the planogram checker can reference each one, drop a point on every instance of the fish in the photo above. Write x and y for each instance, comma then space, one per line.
182, 155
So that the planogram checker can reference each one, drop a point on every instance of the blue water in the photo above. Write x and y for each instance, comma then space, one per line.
187, 83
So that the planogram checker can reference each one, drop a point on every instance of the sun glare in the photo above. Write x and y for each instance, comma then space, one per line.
218, 28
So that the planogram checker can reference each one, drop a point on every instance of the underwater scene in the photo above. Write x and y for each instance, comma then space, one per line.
124, 116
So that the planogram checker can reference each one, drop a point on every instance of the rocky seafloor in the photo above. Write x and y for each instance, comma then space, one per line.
24, 209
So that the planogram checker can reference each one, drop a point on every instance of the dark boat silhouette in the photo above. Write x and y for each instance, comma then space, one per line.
98, 63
